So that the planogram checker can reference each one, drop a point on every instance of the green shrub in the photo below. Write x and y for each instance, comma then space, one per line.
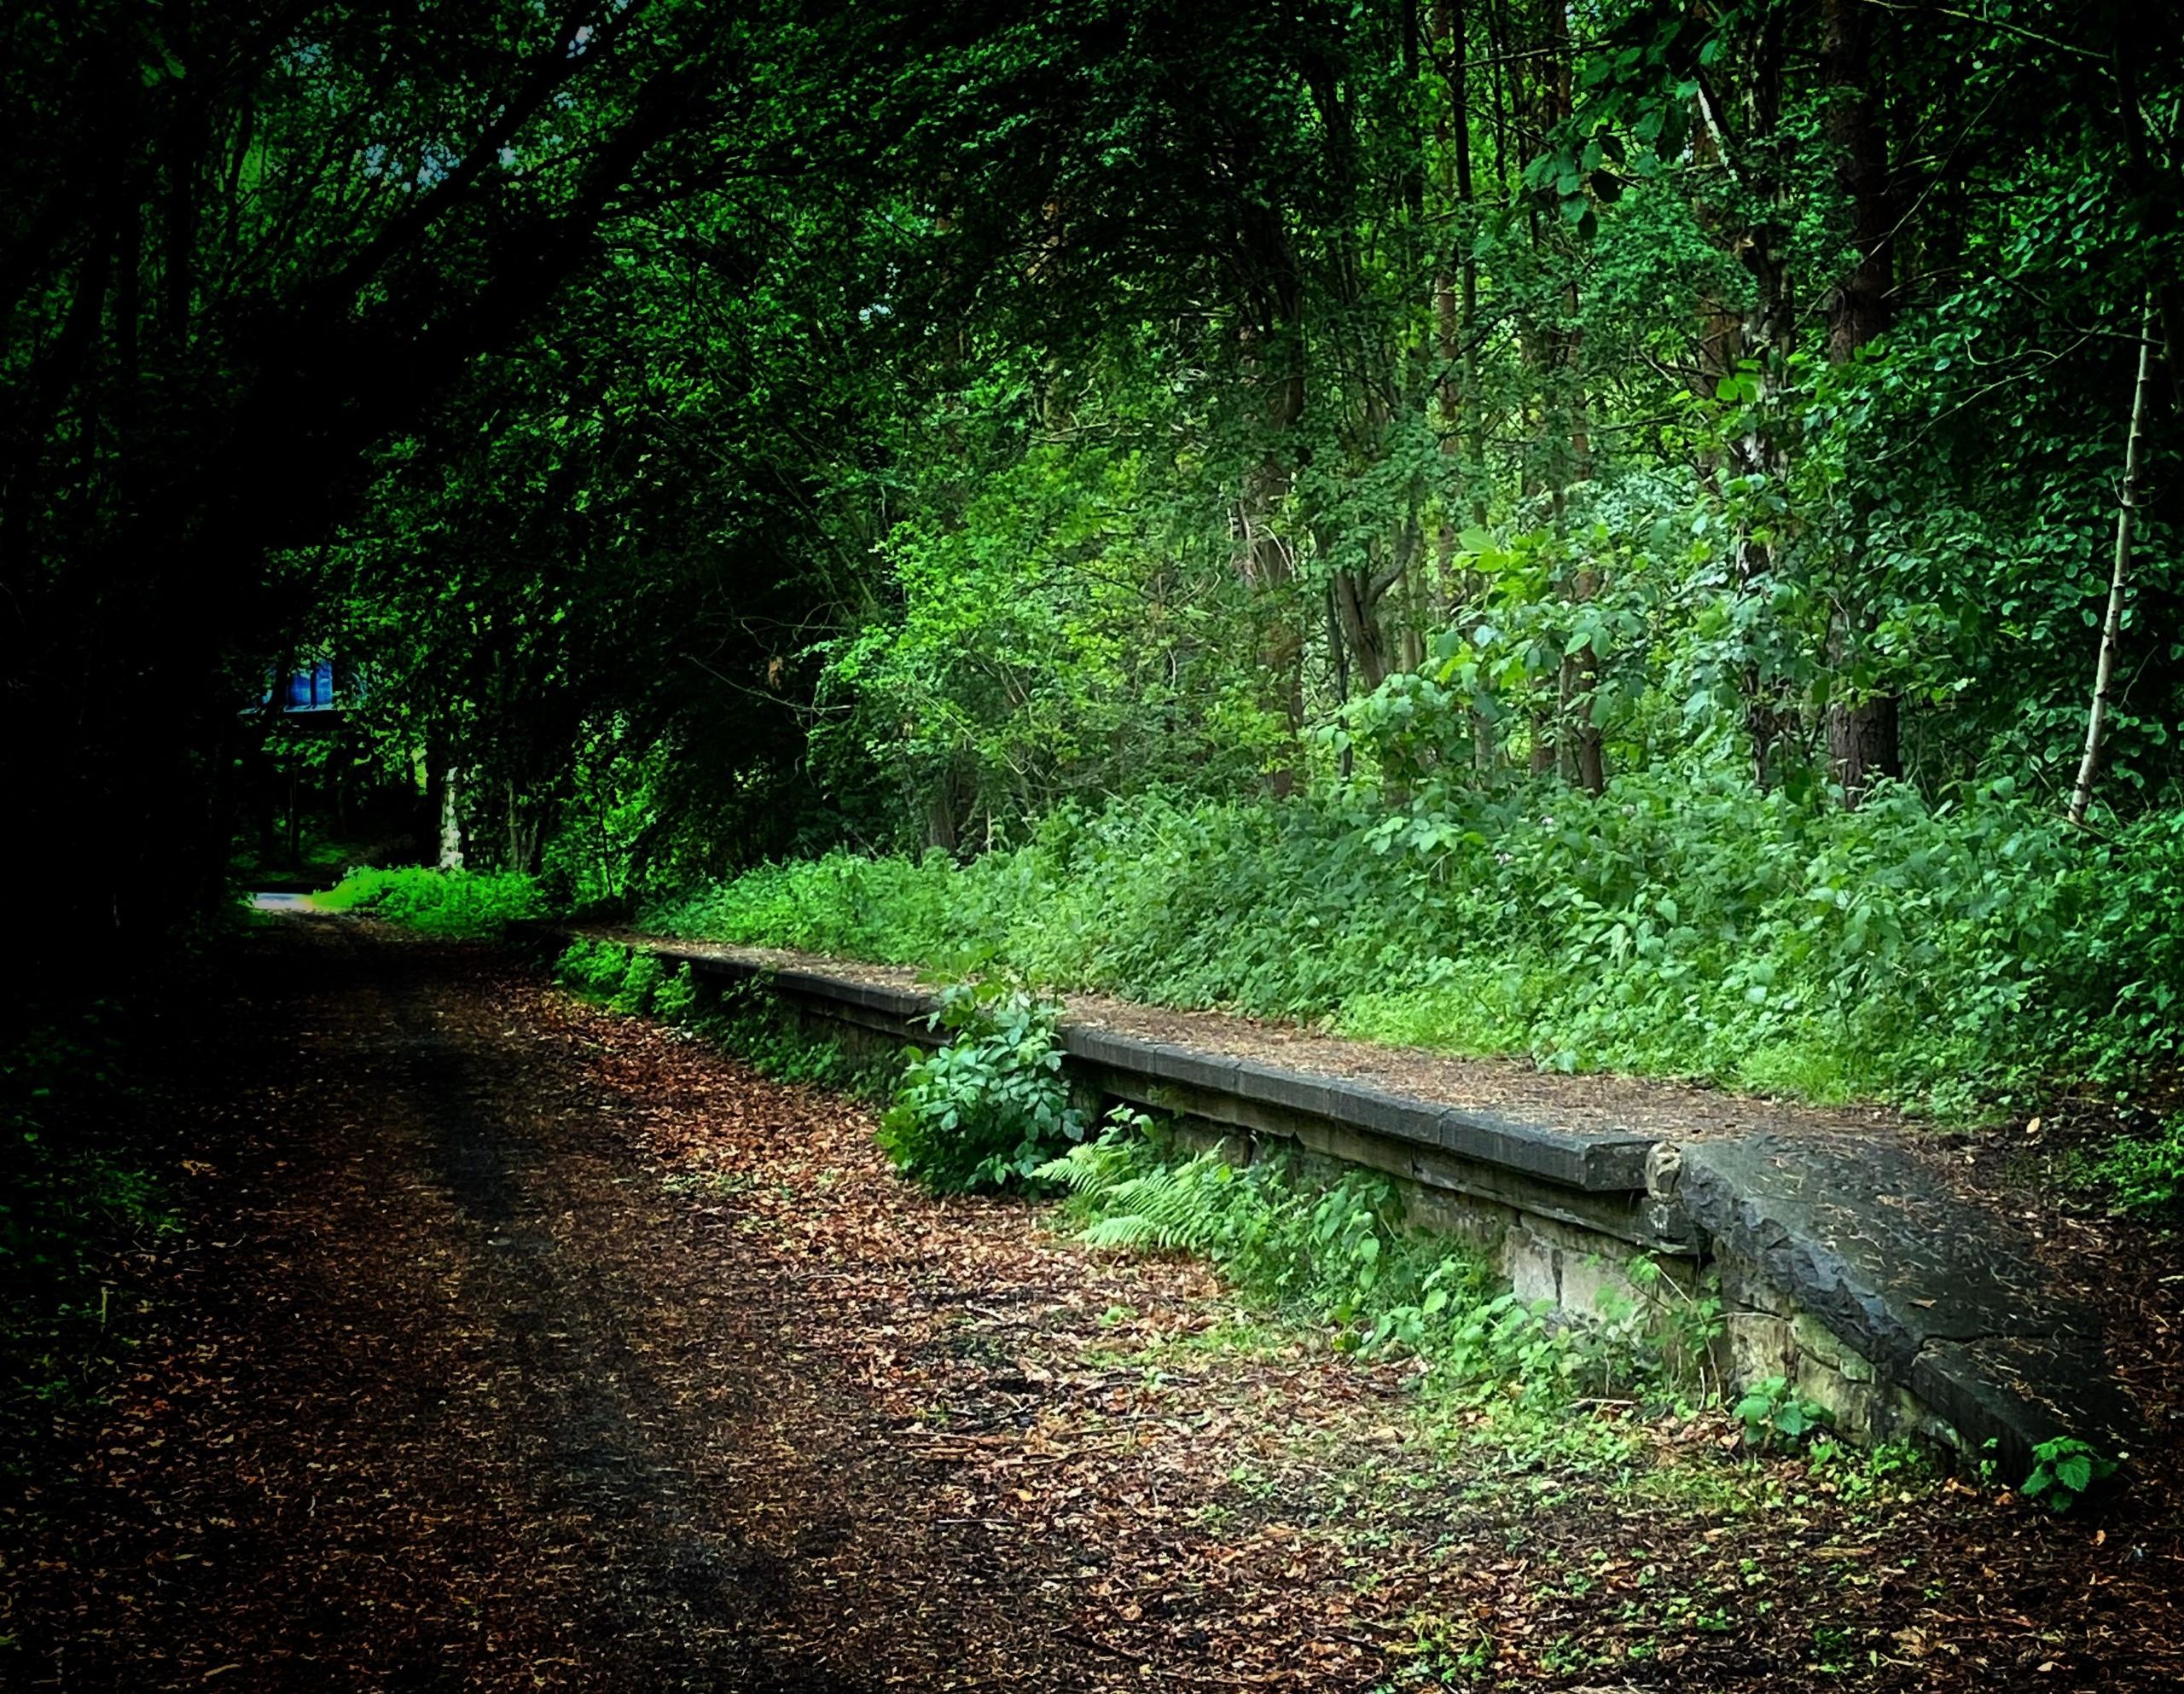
633, 998
989, 1108
462, 904
595, 968
676, 999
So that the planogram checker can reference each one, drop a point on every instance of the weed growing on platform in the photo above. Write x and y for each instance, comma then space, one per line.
464, 905
1946, 955
1774, 1414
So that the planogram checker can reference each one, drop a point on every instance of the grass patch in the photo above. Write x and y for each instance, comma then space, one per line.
462, 905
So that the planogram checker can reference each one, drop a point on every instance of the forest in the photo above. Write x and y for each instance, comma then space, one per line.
1638, 532
1640, 537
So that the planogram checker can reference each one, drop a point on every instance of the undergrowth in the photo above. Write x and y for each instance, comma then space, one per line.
745, 1019
1339, 1254
1949, 957
467, 905
2142, 1175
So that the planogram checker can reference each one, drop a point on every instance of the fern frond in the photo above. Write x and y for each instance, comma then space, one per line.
1125, 1230
1167, 1207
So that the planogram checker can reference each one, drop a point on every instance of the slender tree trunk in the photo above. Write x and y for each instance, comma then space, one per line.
1863, 741
1273, 365
1582, 671
450, 856
1338, 656
1269, 565
1456, 319
2127, 515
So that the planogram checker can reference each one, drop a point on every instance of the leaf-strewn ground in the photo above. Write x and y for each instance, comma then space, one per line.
510, 1345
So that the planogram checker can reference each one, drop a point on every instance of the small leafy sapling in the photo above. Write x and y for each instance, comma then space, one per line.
2063, 1471
1774, 1414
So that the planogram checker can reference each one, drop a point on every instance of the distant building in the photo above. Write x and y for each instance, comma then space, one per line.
309, 689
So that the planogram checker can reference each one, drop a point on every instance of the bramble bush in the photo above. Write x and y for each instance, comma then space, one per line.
989, 1109
1946, 956
465, 905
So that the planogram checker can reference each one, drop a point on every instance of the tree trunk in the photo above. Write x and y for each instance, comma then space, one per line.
1862, 744
524, 824
2126, 513
1357, 607
1265, 558
1456, 318
1269, 565
1580, 671
450, 856
1339, 657
1862, 737
1750, 225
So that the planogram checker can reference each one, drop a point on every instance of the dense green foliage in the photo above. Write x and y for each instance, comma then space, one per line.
462, 904
1672, 925
1585, 530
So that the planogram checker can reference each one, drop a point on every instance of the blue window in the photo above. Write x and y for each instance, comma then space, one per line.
311, 689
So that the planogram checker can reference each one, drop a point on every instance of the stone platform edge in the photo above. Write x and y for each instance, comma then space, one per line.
1564, 1212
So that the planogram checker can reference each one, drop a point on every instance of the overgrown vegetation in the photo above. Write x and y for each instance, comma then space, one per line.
459, 904
1948, 956
1339, 1254
746, 1020
988, 1108
1616, 532
2142, 1174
